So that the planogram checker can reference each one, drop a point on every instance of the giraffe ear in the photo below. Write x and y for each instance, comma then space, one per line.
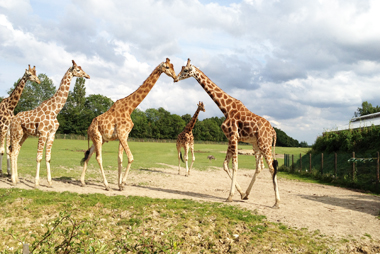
188, 62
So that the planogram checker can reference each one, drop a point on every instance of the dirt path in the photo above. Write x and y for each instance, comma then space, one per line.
334, 211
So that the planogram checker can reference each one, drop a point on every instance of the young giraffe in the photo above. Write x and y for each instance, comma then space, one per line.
241, 125
7, 107
41, 122
186, 140
116, 123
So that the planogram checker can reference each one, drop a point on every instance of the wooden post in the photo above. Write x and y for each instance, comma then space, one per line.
322, 164
309, 162
377, 172
292, 162
335, 164
353, 167
300, 162
285, 159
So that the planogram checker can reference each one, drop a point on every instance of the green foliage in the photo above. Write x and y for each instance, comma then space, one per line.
359, 140
285, 140
34, 94
366, 109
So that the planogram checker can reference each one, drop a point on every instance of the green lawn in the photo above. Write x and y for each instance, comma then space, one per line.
67, 154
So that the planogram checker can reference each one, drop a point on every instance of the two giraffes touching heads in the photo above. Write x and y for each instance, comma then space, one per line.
240, 125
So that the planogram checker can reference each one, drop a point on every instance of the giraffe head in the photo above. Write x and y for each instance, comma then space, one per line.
186, 71
78, 72
167, 68
31, 74
201, 106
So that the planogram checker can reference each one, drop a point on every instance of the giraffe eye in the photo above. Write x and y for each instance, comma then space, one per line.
167, 67
185, 70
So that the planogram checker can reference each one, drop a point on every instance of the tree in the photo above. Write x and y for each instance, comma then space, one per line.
34, 94
366, 109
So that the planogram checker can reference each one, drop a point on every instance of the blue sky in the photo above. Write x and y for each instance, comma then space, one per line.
306, 66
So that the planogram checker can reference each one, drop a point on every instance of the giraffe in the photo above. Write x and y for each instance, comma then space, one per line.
41, 122
241, 125
7, 107
116, 123
186, 140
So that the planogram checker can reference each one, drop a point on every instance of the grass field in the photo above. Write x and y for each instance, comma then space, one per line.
67, 154
52, 222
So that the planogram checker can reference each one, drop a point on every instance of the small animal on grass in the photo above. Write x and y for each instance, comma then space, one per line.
211, 157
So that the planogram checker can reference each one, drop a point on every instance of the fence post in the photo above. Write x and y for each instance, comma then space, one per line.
335, 164
353, 167
322, 164
292, 162
377, 172
309, 162
300, 162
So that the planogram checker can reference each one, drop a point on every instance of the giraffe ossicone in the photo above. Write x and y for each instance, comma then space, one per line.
41, 122
116, 123
186, 140
7, 107
240, 125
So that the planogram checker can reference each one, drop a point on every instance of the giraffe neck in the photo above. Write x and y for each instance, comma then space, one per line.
135, 98
189, 127
13, 99
222, 99
59, 98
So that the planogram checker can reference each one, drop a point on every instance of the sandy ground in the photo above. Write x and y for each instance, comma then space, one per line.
334, 211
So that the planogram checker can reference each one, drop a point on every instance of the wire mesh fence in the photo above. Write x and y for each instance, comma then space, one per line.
353, 170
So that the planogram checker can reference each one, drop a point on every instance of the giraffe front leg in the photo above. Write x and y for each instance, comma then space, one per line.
49, 145
232, 149
186, 155
2, 141
179, 158
228, 171
8, 153
120, 167
130, 158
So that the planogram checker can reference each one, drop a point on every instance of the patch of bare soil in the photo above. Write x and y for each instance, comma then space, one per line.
333, 211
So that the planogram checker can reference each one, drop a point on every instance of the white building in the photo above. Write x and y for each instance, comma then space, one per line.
362, 121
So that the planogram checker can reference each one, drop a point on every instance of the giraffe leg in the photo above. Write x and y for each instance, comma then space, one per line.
186, 155
193, 155
98, 150
232, 149
41, 143
120, 167
2, 141
228, 171
259, 167
85, 164
8, 152
49, 145
130, 158
179, 158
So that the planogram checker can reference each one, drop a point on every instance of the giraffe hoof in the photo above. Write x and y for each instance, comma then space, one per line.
107, 188
229, 199
50, 186
36, 186
83, 185
244, 196
276, 206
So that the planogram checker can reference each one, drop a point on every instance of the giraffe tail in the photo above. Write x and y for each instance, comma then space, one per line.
86, 154
180, 155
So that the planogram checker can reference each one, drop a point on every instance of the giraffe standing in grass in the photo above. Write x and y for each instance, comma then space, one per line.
41, 122
7, 107
116, 123
186, 140
241, 125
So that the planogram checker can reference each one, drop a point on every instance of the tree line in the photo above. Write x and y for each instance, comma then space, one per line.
79, 110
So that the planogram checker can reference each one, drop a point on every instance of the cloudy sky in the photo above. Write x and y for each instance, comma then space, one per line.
306, 66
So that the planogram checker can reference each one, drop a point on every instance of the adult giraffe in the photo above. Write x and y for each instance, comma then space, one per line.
241, 125
116, 123
186, 140
7, 107
41, 122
